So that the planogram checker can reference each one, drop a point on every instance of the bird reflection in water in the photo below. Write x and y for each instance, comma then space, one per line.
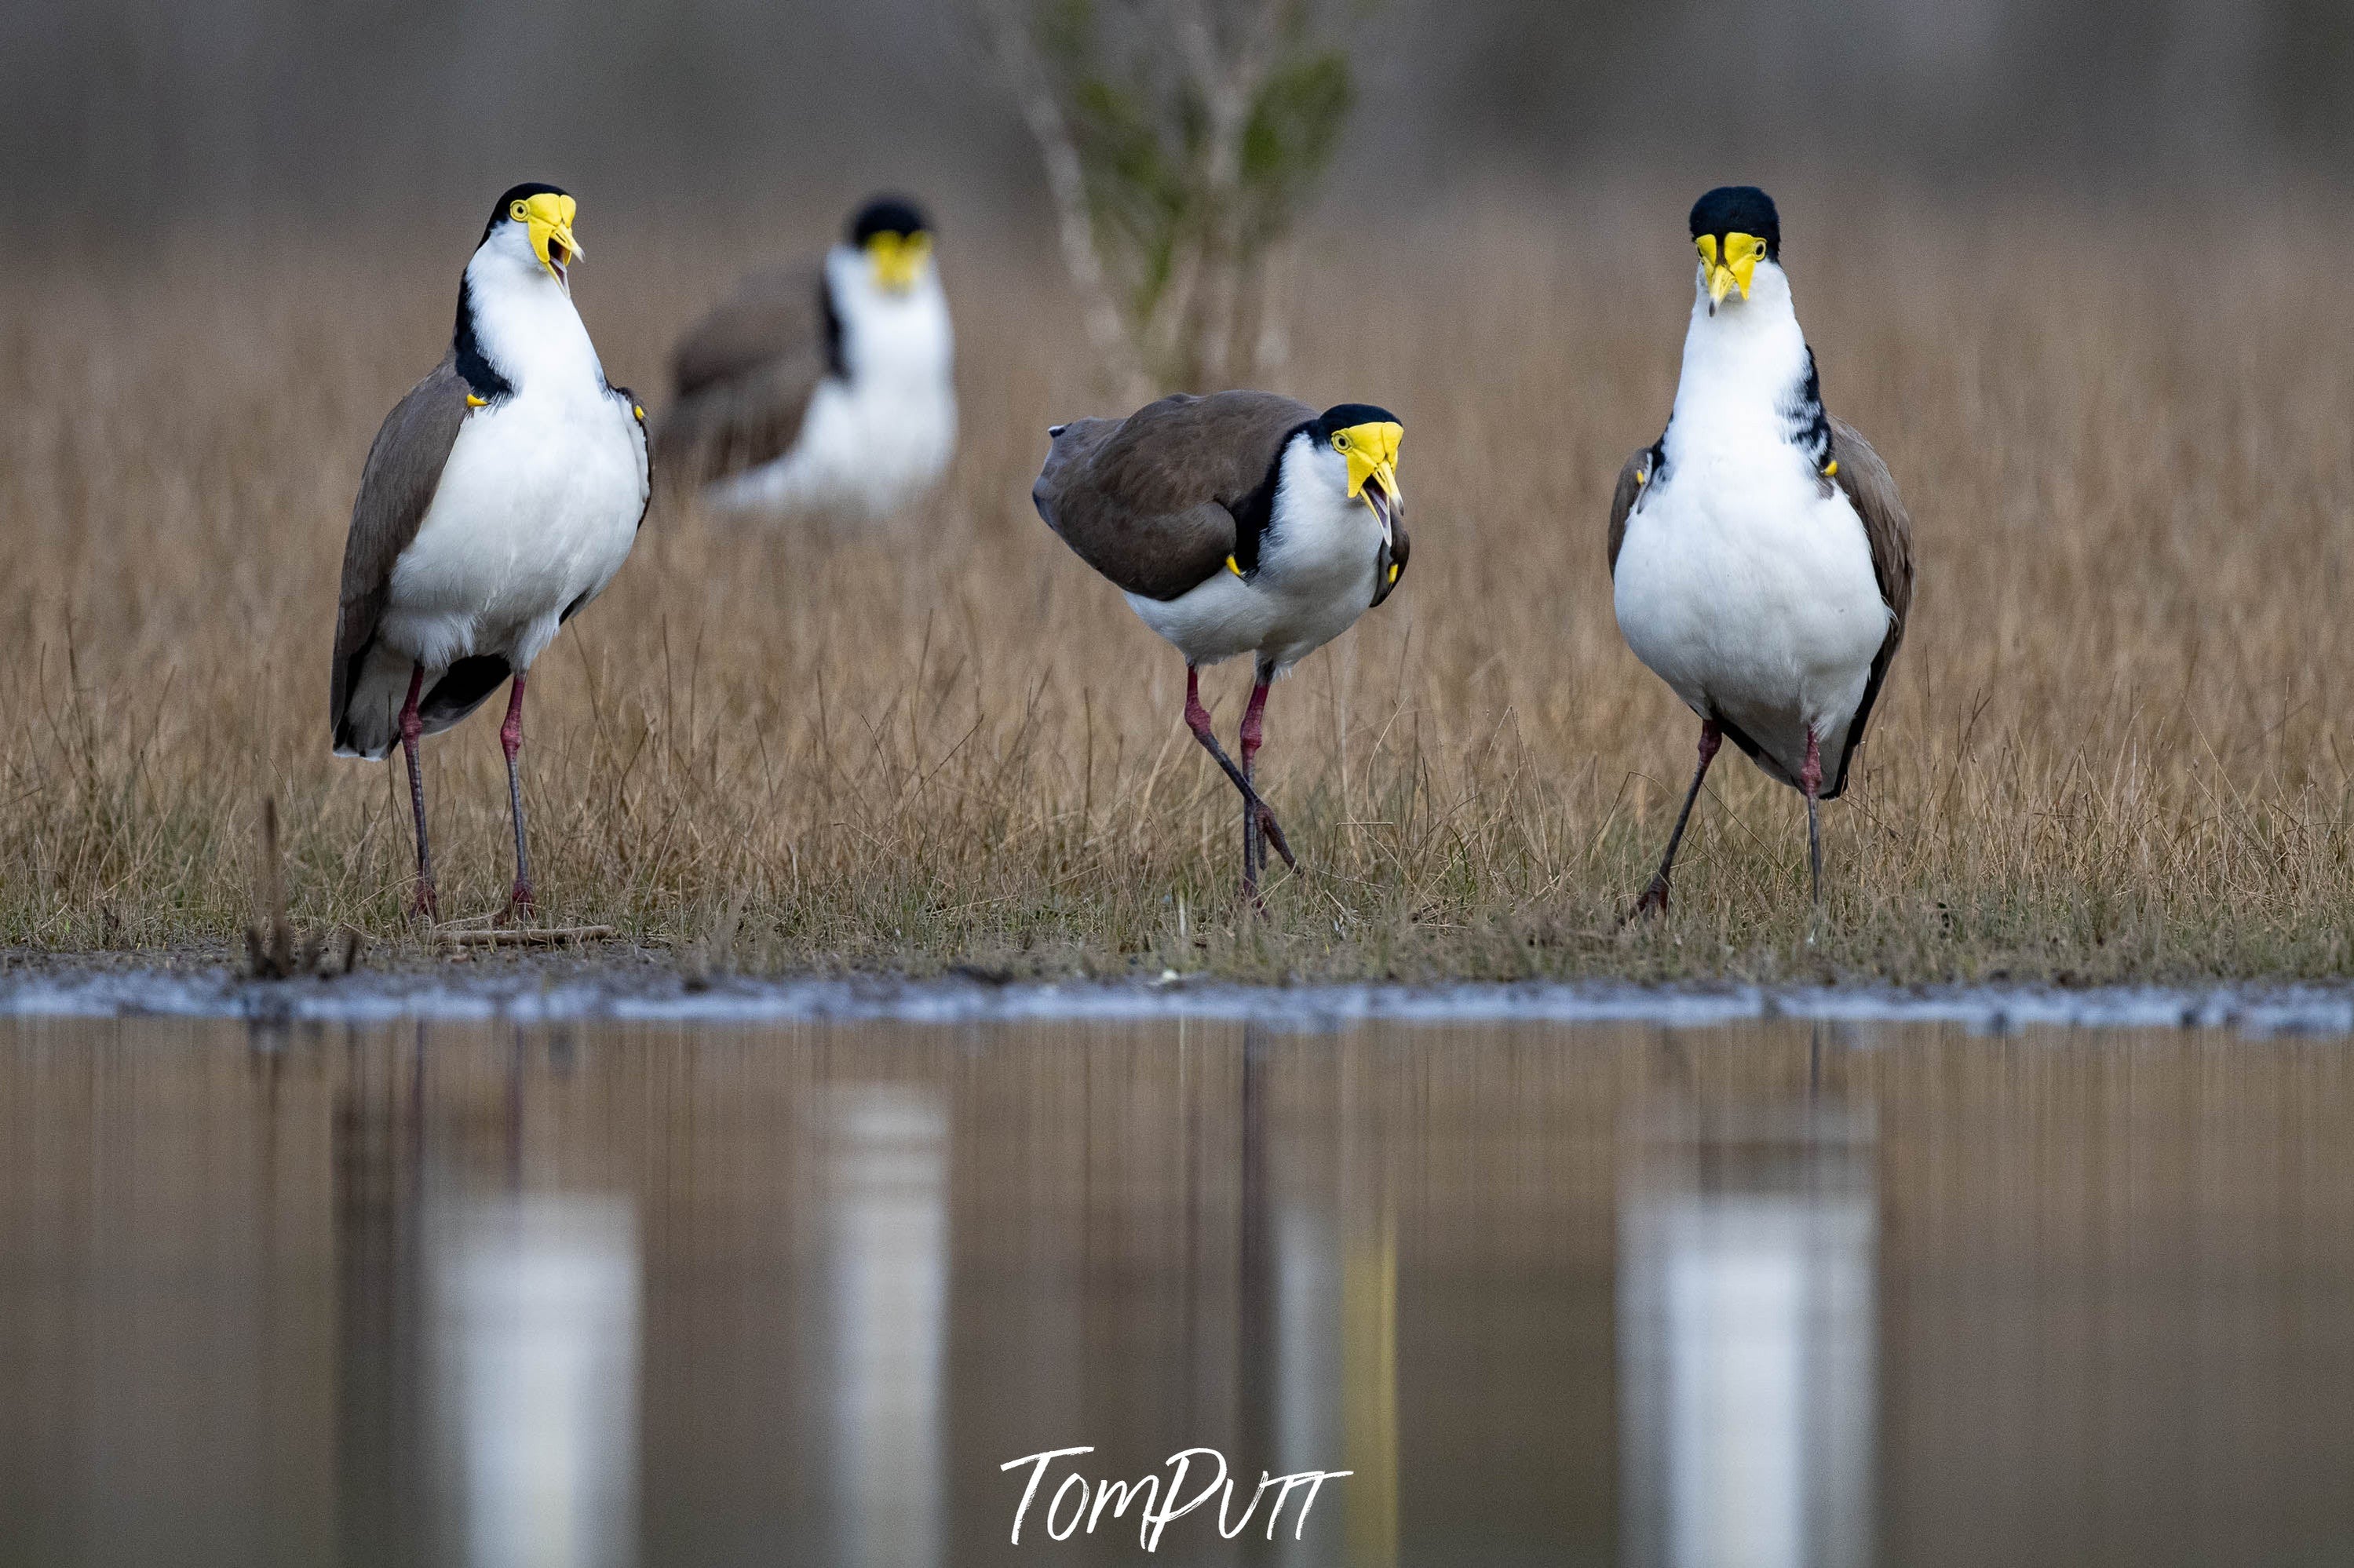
535, 1301
1748, 1239
887, 1231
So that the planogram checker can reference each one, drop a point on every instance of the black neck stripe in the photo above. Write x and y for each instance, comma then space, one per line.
837, 363
1255, 512
473, 365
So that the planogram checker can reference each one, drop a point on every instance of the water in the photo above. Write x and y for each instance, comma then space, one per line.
1770, 1292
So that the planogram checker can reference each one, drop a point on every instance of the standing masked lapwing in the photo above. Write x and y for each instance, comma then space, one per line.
829, 386
1239, 522
1761, 562
500, 495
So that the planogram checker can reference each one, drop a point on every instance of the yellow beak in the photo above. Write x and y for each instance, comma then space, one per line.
897, 258
1373, 454
1731, 268
550, 216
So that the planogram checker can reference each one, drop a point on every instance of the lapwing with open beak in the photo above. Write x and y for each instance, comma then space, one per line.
1239, 522
1761, 561
821, 388
500, 495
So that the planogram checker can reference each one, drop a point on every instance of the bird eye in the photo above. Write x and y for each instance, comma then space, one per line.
519, 212
1761, 250
1341, 443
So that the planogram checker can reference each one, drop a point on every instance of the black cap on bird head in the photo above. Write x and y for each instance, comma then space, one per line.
1343, 417
1739, 209
887, 215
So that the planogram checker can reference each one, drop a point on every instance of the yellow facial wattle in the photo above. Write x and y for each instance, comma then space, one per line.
549, 218
897, 258
1730, 266
1372, 450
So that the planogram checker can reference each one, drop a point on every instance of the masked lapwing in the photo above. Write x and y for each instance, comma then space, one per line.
1761, 562
828, 387
500, 495
1239, 522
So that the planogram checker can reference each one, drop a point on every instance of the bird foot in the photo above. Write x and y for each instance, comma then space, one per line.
424, 907
522, 908
1654, 902
1267, 825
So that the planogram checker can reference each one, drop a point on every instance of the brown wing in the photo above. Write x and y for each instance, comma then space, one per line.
1632, 477
742, 378
403, 470
1871, 490
1151, 501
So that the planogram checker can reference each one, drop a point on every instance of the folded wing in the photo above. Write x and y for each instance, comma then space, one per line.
742, 378
1151, 501
1888, 528
403, 471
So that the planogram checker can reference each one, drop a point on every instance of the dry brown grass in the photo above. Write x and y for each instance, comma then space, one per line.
2111, 746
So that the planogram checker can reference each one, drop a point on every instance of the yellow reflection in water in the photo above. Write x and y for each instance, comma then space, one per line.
1368, 1411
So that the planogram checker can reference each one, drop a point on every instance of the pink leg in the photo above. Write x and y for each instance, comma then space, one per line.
1197, 719
1254, 725
412, 729
1810, 779
1655, 898
511, 742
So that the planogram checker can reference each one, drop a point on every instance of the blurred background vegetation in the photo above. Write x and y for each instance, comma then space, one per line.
116, 114
1180, 139
2057, 258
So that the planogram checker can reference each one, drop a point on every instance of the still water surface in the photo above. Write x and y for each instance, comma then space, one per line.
1765, 1294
